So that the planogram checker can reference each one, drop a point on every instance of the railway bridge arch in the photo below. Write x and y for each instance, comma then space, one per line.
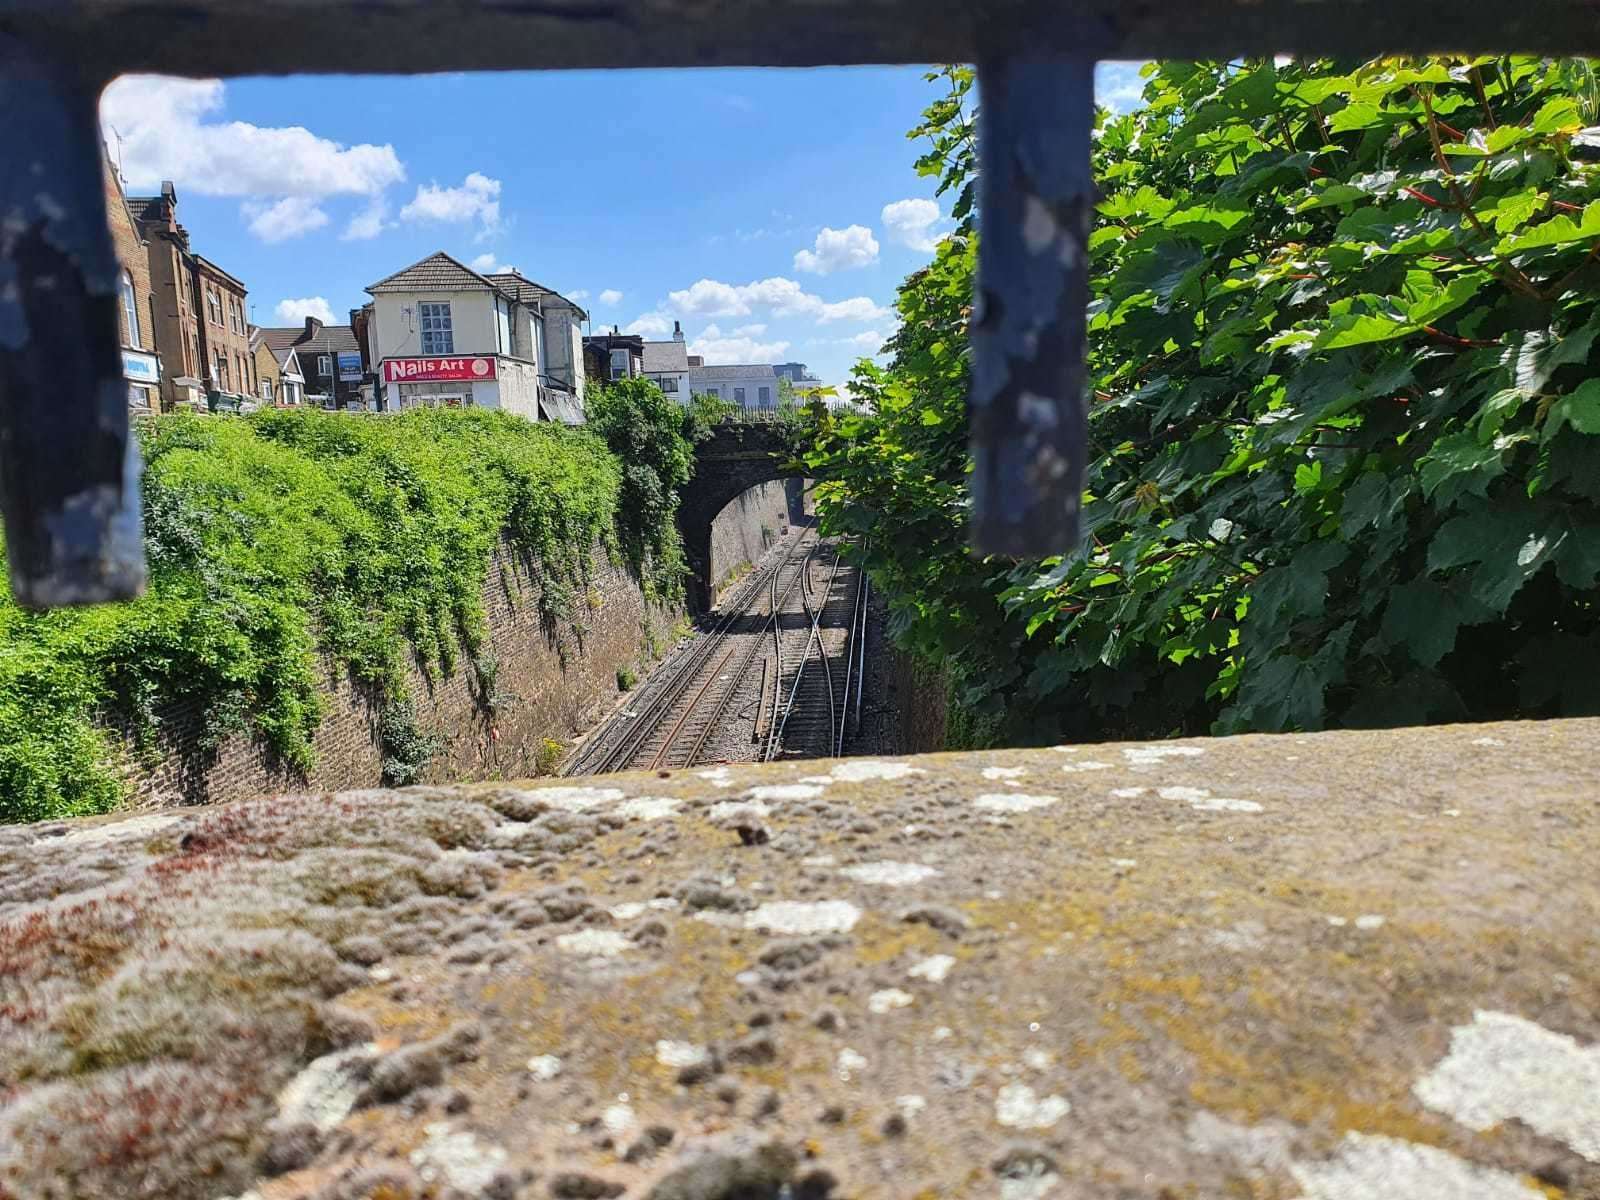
738, 456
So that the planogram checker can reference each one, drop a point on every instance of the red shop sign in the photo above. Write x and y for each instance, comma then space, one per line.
429, 370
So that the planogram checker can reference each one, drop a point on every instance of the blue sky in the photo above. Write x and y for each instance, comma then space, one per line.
773, 212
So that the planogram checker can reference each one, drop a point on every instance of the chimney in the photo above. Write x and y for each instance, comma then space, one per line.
677, 331
697, 360
313, 327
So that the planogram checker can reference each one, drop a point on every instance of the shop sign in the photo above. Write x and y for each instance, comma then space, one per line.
349, 366
433, 370
139, 367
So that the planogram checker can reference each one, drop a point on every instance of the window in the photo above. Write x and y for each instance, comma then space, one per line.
765, 396
213, 306
539, 344
619, 364
221, 379
130, 311
266, 390
713, 390
738, 395
669, 384
324, 364
437, 335
195, 363
502, 326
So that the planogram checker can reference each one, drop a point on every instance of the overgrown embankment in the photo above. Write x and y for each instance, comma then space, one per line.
1344, 430
291, 546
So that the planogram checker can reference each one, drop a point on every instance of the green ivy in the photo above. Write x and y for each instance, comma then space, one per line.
1344, 451
285, 549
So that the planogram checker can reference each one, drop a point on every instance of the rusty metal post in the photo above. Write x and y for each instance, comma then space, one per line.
1028, 333
69, 471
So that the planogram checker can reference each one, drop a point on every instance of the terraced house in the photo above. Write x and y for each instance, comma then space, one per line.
441, 334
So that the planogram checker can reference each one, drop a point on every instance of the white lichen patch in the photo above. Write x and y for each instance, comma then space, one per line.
738, 810
849, 1063
665, 903
717, 777
1503, 1066
803, 918
1036, 1059
1018, 1106
1201, 800
649, 808
575, 799
1369, 921
910, 1105
594, 943
1149, 756
889, 874
819, 780
1013, 802
457, 1158
1125, 864
680, 1054
1487, 741
935, 968
544, 1067
628, 912
998, 773
619, 1119
865, 770
1088, 764
1245, 935
785, 791
326, 1091
887, 1000
1372, 1167
819, 860
1338, 922
1128, 793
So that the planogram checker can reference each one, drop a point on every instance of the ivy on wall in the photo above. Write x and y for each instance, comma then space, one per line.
1344, 424
286, 546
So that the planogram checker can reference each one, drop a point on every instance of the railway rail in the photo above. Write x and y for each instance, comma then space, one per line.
774, 675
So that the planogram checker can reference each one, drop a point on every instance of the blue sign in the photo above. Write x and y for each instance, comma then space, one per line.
349, 366
139, 367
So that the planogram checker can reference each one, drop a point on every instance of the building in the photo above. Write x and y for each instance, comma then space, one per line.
613, 356
798, 374
667, 364
141, 364
199, 314
280, 381
748, 385
439, 333
328, 359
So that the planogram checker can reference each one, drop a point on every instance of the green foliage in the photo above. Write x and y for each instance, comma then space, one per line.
627, 679
285, 547
654, 436
1344, 450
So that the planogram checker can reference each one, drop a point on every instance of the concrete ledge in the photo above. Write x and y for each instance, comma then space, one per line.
1347, 966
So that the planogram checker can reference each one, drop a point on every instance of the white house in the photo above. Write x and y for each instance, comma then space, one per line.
442, 334
667, 364
749, 385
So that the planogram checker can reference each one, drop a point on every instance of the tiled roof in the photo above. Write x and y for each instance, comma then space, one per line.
329, 339
751, 371
145, 208
436, 273
665, 358
526, 291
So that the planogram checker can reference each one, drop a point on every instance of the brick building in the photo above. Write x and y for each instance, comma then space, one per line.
279, 379
329, 360
141, 365
199, 313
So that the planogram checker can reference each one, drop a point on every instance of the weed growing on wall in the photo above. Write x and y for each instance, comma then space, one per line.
1344, 430
285, 547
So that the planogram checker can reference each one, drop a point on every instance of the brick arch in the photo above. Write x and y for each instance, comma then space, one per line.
734, 459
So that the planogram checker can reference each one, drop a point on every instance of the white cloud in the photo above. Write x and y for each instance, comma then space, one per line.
783, 297
911, 223
489, 263
477, 199
610, 296
1118, 85
839, 250
295, 312
870, 341
580, 295
368, 223
650, 324
291, 217
167, 129
749, 331
718, 349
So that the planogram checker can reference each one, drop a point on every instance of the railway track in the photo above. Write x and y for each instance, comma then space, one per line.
774, 676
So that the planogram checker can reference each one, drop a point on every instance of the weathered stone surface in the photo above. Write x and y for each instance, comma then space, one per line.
1345, 966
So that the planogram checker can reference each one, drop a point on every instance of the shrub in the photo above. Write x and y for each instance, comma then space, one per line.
280, 546
1344, 442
